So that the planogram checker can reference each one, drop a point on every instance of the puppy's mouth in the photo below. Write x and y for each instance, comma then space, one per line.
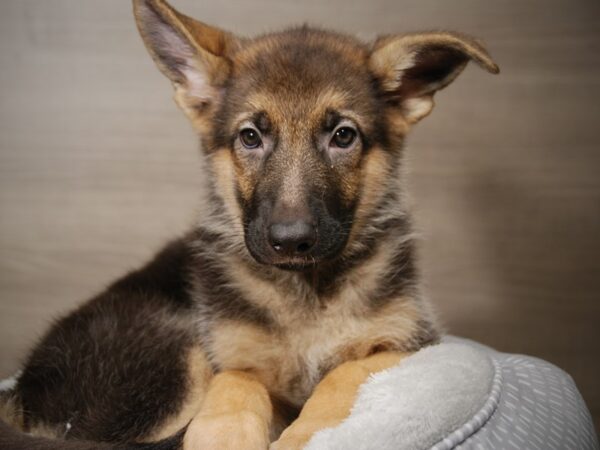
287, 263
297, 265
290, 263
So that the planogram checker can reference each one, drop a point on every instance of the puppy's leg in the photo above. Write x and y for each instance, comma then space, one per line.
333, 398
236, 414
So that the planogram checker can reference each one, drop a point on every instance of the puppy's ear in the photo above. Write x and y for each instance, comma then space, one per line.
412, 67
193, 55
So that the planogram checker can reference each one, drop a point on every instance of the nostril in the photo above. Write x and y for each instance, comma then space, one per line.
304, 247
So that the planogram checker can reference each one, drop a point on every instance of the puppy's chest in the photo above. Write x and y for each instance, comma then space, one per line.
293, 359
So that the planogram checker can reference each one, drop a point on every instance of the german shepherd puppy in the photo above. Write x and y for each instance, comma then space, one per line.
299, 279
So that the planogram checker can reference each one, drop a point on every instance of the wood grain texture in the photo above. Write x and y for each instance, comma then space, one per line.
98, 168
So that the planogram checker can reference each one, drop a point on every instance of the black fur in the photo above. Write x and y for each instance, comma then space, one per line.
116, 367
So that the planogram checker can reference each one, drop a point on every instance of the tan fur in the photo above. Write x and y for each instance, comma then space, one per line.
267, 43
236, 414
197, 113
276, 361
344, 329
278, 106
237, 344
47, 431
376, 167
11, 412
223, 165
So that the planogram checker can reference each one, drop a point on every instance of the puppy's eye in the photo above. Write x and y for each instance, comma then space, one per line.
250, 138
343, 137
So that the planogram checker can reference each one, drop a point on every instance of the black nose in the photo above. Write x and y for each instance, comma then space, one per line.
292, 238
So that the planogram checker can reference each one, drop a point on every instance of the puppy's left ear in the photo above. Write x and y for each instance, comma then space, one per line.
412, 67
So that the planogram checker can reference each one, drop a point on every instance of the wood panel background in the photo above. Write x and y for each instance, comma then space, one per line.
98, 168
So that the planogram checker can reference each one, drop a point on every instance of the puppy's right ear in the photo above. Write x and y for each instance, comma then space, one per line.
193, 55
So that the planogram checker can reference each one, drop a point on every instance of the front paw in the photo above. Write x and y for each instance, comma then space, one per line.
240, 430
295, 437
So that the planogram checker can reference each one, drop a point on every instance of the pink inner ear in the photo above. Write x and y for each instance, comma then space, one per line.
173, 43
163, 39
195, 78
175, 54
198, 85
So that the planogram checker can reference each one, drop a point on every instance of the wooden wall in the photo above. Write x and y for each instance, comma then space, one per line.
97, 166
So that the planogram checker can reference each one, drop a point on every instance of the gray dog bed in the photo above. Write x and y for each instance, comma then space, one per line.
462, 395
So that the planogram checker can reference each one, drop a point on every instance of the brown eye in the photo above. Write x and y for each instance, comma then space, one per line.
250, 138
343, 137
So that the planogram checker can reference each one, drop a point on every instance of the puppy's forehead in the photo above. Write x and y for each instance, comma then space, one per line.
300, 74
